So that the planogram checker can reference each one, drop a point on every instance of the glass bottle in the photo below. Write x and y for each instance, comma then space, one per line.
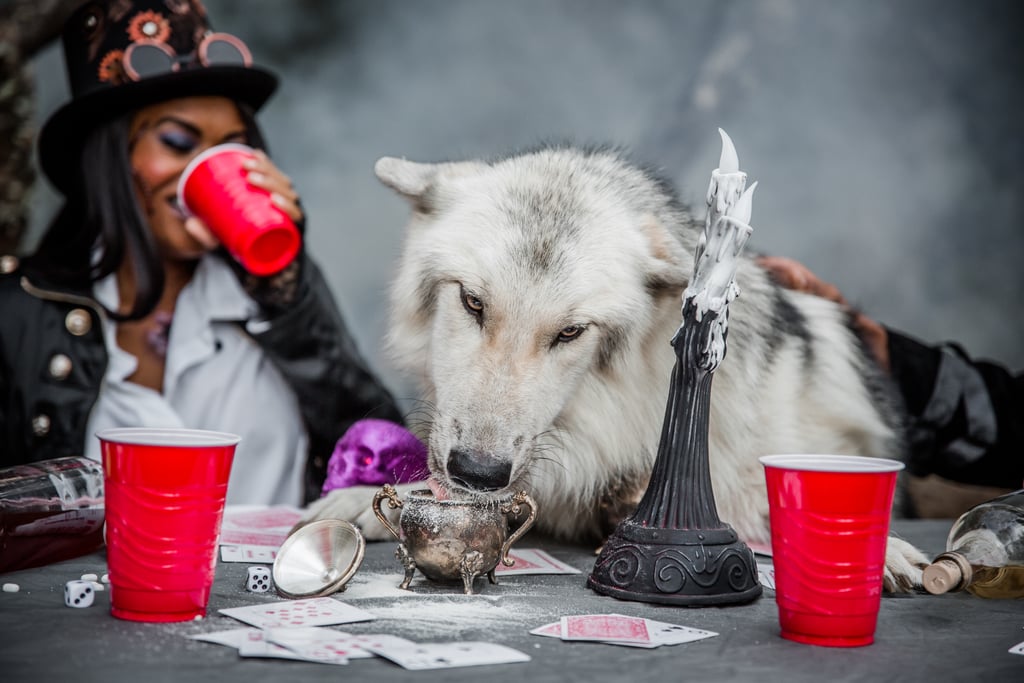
984, 551
50, 510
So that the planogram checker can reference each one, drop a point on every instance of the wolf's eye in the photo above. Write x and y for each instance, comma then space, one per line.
569, 333
472, 304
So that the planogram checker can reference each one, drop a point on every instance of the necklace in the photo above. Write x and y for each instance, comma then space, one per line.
157, 335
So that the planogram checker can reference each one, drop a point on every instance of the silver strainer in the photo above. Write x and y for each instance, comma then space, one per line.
318, 559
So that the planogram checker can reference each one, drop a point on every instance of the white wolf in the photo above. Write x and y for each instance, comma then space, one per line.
535, 300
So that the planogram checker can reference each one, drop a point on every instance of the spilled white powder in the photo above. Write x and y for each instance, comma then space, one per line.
438, 617
364, 585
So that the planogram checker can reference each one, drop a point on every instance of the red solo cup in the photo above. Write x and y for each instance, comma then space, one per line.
830, 525
255, 231
165, 491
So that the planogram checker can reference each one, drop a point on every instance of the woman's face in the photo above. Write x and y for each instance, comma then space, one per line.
164, 138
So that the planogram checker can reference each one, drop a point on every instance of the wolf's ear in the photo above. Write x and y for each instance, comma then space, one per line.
420, 183
668, 268
407, 178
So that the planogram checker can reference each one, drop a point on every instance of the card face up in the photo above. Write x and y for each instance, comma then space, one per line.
292, 613
421, 656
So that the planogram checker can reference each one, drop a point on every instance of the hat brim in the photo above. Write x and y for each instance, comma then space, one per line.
63, 134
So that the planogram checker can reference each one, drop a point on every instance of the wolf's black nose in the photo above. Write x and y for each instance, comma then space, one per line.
478, 471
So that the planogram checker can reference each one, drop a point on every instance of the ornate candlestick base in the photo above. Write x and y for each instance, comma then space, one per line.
676, 566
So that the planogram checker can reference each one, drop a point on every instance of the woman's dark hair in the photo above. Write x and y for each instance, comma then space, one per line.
101, 223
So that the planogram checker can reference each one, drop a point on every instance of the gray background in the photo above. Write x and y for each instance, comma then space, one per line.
885, 134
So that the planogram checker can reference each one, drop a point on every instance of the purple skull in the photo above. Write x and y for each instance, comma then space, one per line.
374, 452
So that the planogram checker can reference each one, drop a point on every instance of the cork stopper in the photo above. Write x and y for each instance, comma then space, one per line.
950, 572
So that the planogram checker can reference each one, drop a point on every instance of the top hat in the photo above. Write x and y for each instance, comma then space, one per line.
121, 55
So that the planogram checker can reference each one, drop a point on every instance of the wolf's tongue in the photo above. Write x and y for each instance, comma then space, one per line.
440, 493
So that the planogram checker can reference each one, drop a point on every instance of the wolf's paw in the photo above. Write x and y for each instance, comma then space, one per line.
355, 504
903, 565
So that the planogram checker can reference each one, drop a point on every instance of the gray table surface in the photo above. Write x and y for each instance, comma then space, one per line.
919, 638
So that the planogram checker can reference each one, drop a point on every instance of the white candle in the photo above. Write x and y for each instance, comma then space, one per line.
726, 231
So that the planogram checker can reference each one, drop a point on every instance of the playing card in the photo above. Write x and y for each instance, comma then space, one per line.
760, 548
552, 630
268, 650
317, 642
259, 517
292, 613
248, 553
231, 638
664, 633
250, 642
1017, 649
421, 656
253, 525
606, 628
533, 561
766, 574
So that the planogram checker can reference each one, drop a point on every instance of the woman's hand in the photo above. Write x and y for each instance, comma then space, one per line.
265, 175
262, 173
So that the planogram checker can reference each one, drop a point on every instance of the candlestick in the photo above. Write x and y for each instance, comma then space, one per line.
674, 549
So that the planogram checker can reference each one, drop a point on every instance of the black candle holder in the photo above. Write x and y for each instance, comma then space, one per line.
674, 549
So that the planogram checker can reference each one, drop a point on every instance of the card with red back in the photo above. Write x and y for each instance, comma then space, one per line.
552, 630
533, 561
606, 627
258, 525
259, 517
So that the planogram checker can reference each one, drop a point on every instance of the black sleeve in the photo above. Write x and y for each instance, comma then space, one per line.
966, 416
311, 346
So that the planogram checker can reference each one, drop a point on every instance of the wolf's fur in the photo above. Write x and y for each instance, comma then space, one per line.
503, 257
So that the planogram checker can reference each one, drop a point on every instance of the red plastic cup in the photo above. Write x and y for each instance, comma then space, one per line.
165, 491
255, 231
830, 525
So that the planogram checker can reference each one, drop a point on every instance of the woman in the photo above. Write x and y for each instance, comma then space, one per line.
129, 313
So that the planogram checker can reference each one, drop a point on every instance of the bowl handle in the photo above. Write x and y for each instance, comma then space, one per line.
393, 502
513, 506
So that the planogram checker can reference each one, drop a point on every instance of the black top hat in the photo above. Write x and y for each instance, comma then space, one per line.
125, 54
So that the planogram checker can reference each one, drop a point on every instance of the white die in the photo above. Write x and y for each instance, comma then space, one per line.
78, 593
258, 580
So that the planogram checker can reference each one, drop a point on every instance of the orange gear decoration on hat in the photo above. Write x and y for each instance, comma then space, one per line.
149, 25
111, 68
